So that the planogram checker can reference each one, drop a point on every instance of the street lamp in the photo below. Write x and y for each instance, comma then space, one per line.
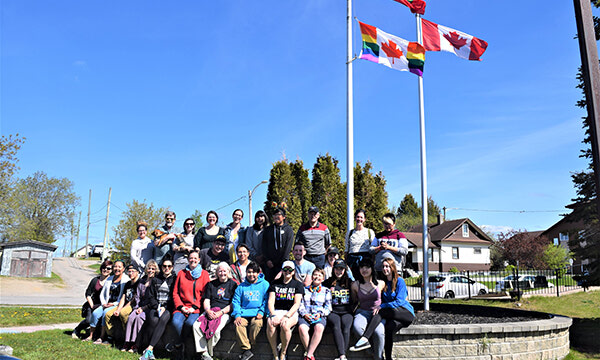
250, 216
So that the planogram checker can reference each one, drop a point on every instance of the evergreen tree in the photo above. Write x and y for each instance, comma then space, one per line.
302, 188
370, 194
328, 194
409, 213
282, 193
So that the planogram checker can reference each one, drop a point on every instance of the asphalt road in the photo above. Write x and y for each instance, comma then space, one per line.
29, 291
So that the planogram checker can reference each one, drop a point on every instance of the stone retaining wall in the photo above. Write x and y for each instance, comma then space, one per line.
538, 339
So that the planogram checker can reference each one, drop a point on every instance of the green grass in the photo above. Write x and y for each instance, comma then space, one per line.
25, 316
58, 344
576, 355
95, 267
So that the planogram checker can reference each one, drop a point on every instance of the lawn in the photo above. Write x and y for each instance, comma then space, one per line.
24, 316
58, 344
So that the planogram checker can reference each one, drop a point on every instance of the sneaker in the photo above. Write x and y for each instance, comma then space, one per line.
98, 341
247, 354
206, 356
74, 335
361, 344
148, 355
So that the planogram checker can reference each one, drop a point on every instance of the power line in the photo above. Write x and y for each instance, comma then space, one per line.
507, 211
233, 202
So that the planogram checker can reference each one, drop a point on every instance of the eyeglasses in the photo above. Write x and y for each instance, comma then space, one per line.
167, 266
169, 219
189, 224
287, 269
107, 269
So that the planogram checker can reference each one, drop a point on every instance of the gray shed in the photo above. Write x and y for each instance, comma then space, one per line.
26, 258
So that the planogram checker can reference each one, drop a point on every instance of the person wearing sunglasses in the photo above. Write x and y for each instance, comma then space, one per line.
164, 237
184, 243
92, 299
285, 295
159, 297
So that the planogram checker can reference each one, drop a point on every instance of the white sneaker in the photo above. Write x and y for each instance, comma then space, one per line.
361, 344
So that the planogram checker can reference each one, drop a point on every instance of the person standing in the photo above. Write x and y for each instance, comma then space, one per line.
249, 306
183, 245
235, 233
278, 239
358, 242
285, 295
315, 237
390, 241
142, 248
254, 235
207, 234
164, 237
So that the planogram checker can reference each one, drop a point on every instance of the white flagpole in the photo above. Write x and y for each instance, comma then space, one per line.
349, 123
423, 180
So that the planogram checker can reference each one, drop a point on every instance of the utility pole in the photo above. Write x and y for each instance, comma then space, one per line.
104, 250
250, 193
591, 79
87, 233
77, 237
72, 233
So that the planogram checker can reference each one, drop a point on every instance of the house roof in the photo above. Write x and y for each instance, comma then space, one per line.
444, 231
416, 240
566, 219
20, 243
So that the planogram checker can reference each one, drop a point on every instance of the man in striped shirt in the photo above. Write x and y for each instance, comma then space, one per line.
315, 237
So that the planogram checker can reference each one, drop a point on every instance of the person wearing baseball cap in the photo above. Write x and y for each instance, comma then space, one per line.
340, 318
315, 237
333, 254
211, 257
283, 302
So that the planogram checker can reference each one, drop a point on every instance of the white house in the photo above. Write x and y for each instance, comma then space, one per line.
453, 243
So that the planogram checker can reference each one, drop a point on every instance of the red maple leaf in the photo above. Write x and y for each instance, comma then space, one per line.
391, 50
455, 40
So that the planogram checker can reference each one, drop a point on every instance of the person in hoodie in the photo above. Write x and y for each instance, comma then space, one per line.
187, 296
278, 239
249, 305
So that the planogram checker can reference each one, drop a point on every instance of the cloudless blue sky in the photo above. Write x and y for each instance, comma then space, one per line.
187, 104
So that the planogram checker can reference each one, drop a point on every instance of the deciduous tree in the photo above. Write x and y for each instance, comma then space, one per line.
522, 248
556, 257
41, 208
125, 232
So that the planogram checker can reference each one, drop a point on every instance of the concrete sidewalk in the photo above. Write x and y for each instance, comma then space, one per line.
34, 328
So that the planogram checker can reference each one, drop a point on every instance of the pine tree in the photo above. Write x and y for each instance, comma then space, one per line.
329, 195
302, 188
409, 213
370, 195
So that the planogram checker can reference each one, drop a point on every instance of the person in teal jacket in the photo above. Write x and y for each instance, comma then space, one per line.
249, 307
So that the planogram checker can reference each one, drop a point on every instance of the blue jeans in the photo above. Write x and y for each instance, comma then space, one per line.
361, 320
183, 325
98, 315
318, 260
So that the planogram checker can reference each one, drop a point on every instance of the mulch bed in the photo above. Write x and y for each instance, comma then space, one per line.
447, 314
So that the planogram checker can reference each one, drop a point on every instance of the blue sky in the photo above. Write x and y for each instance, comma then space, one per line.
188, 104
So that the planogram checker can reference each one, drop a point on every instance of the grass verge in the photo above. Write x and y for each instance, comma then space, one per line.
26, 316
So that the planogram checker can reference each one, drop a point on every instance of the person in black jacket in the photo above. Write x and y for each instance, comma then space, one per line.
277, 244
92, 298
159, 299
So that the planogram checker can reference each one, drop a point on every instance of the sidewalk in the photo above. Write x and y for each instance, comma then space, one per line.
34, 328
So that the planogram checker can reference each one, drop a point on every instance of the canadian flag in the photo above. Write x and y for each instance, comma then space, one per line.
441, 38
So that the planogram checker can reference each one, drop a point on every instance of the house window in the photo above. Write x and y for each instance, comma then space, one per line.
465, 229
563, 237
477, 250
430, 254
555, 241
455, 253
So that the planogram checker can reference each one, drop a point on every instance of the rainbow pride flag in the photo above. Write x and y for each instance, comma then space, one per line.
391, 51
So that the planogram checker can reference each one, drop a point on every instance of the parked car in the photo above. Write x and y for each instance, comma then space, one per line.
525, 282
96, 251
454, 286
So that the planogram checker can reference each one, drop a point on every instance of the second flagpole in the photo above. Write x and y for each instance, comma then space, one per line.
424, 204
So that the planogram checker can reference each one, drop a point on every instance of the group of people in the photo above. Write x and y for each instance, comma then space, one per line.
212, 276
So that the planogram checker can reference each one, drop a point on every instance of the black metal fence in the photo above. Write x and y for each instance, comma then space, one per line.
514, 283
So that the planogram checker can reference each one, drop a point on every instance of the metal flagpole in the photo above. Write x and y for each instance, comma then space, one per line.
423, 180
349, 123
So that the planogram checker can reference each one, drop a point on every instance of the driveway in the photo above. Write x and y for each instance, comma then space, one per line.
28, 291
